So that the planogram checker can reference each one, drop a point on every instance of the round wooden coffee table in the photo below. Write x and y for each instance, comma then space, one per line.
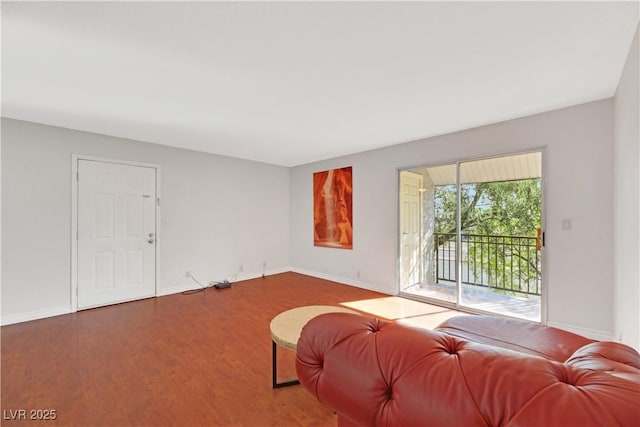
286, 328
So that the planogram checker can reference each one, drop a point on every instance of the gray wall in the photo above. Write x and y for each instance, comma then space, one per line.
578, 169
627, 201
217, 213
220, 212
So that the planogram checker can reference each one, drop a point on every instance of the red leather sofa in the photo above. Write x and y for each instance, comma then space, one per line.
470, 371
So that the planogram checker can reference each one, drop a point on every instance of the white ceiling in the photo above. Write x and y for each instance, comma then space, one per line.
295, 82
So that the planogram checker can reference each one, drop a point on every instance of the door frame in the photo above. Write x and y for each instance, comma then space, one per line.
543, 221
75, 158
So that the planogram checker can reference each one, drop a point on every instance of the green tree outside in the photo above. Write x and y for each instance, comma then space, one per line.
495, 218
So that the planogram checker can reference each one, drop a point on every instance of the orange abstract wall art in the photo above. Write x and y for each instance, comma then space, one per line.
332, 208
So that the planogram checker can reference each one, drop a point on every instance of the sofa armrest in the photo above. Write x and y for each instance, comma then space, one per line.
513, 334
363, 368
606, 356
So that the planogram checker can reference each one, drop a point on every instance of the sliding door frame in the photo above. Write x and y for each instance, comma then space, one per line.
456, 305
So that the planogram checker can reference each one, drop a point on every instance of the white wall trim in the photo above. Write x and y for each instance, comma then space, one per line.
241, 277
269, 272
35, 315
176, 290
343, 280
585, 332
74, 219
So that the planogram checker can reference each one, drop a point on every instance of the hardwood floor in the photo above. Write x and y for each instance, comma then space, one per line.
182, 360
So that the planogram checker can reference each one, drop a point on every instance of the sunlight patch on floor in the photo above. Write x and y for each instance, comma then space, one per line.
395, 308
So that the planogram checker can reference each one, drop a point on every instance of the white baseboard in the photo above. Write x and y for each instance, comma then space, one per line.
247, 276
270, 272
585, 332
57, 311
343, 280
176, 289
35, 315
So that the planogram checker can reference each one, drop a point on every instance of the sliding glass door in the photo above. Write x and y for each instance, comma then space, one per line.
470, 234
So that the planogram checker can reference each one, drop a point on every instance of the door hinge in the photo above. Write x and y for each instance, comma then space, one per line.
543, 239
77, 176
158, 201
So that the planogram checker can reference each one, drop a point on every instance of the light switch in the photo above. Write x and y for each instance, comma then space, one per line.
566, 224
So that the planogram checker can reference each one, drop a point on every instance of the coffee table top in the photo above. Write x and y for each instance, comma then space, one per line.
287, 326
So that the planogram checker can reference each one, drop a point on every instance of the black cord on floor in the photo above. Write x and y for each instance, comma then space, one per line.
203, 287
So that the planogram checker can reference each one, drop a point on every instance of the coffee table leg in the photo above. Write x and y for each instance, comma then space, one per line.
274, 372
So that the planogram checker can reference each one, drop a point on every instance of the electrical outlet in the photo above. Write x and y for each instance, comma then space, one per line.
241, 268
264, 264
188, 274
358, 274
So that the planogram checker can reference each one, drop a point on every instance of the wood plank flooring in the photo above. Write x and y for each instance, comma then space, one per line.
180, 360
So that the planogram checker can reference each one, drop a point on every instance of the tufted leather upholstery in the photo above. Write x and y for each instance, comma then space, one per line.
377, 373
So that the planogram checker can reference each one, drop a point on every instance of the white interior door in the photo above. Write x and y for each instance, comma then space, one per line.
410, 229
116, 233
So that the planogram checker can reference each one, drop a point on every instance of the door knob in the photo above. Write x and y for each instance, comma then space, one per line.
150, 240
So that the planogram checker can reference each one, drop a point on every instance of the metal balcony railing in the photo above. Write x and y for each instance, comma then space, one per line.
507, 263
